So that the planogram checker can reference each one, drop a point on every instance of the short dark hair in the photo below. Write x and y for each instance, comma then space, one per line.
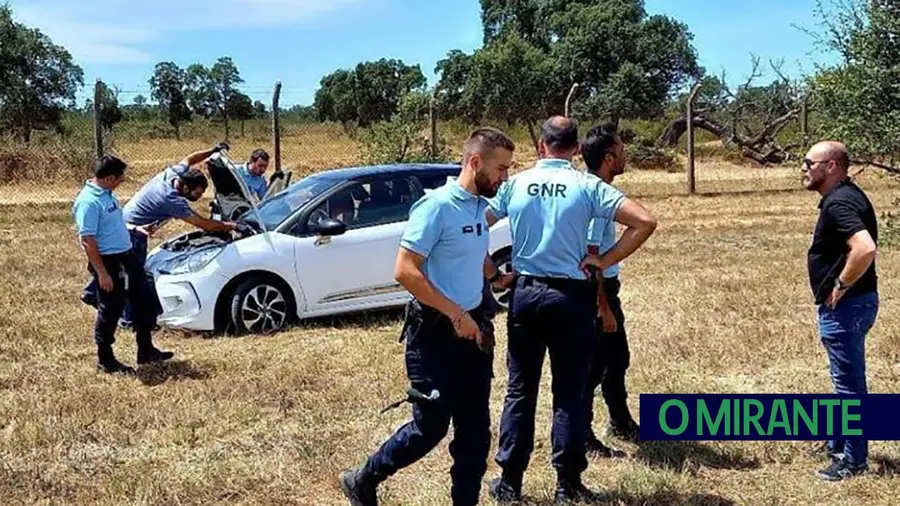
560, 133
597, 143
193, 178
484, 140
259, 153
109, 165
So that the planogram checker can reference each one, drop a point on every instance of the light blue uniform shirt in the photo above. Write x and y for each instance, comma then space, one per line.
98, 214
602, 233
257, 184
550, 207
449, 228
158, 201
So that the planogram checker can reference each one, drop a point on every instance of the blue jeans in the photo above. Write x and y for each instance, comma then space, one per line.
843, 333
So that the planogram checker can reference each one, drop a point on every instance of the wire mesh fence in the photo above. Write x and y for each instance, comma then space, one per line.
49, 166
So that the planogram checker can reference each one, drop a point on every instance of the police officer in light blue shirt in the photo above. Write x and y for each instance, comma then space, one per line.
166, 196
442, 262
113, 265
604, 155
253, 172
552, 303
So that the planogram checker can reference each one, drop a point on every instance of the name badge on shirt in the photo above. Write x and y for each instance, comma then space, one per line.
469, 229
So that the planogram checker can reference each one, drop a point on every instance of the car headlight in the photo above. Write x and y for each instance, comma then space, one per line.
191, 262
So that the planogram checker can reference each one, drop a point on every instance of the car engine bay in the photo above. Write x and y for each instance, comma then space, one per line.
201, 238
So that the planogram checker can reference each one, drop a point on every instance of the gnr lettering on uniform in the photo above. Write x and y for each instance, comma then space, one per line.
547, 190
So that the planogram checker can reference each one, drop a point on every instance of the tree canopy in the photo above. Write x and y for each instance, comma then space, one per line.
38, 80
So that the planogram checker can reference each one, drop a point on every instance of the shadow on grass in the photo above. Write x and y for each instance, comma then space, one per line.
357, 320
361, 319
629, 499
177, 370
677, 455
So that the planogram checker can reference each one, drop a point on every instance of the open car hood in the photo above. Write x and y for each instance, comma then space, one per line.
229, 183
226, 179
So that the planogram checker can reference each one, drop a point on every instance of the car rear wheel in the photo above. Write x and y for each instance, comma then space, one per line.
260, 306
503, 261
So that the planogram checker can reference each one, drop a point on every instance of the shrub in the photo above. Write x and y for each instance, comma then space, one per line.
43, 163
643, 155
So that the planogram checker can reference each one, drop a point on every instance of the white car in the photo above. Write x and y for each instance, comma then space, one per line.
322, 246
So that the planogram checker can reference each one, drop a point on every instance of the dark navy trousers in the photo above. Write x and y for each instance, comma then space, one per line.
139, 250
611, 361
461, 373
555, 316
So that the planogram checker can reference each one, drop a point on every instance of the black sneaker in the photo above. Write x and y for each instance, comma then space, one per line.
359, 491
502, 491
596, 448
841, 469
574, 491
153, 355
626, 431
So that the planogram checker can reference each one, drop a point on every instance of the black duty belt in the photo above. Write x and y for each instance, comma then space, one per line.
556, 283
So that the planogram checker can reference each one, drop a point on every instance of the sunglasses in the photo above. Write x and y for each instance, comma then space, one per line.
809, 163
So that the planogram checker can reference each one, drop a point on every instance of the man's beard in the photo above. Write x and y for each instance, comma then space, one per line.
484, 187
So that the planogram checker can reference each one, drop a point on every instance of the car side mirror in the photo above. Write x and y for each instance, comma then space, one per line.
331, 227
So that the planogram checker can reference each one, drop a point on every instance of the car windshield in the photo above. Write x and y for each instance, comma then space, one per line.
281, 206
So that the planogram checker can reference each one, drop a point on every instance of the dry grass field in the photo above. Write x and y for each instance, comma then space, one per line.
716, 301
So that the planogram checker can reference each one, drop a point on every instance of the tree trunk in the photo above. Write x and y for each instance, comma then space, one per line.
534, 139
226, 128
678, 127
242, 128
177, 132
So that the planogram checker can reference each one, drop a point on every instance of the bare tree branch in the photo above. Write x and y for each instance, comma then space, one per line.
889, 168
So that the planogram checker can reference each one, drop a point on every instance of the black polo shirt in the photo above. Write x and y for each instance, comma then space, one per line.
843, 211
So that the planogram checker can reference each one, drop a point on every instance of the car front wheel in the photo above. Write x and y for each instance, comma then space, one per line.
260, 306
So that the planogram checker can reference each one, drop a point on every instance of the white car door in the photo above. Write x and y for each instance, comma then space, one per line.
355, 270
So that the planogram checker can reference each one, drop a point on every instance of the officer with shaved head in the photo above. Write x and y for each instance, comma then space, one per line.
552, 304
841, 264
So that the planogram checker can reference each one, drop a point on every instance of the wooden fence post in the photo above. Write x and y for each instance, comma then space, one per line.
276, 128
692, 184
98, 129
432, 119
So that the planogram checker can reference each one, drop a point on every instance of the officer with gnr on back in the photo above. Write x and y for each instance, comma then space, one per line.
552, 302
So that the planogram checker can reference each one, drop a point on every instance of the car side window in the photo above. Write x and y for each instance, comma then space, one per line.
368, 203
434, 181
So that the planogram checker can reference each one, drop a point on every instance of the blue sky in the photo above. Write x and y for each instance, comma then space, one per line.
299, 41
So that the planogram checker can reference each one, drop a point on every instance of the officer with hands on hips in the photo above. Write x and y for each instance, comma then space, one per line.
553, 302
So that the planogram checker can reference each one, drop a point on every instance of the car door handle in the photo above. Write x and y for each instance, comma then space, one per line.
322, 240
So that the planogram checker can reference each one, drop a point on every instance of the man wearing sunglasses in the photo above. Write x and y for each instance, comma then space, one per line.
841, 263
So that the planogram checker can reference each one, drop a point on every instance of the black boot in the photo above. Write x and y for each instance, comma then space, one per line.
597, 448
570, 489
147, 353
359, 487
624, 428
507, 488
107, 363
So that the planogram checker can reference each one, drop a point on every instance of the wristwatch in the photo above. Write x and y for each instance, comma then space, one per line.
840, 285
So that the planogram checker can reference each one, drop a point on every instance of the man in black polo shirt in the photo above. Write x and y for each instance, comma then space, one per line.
841, 263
